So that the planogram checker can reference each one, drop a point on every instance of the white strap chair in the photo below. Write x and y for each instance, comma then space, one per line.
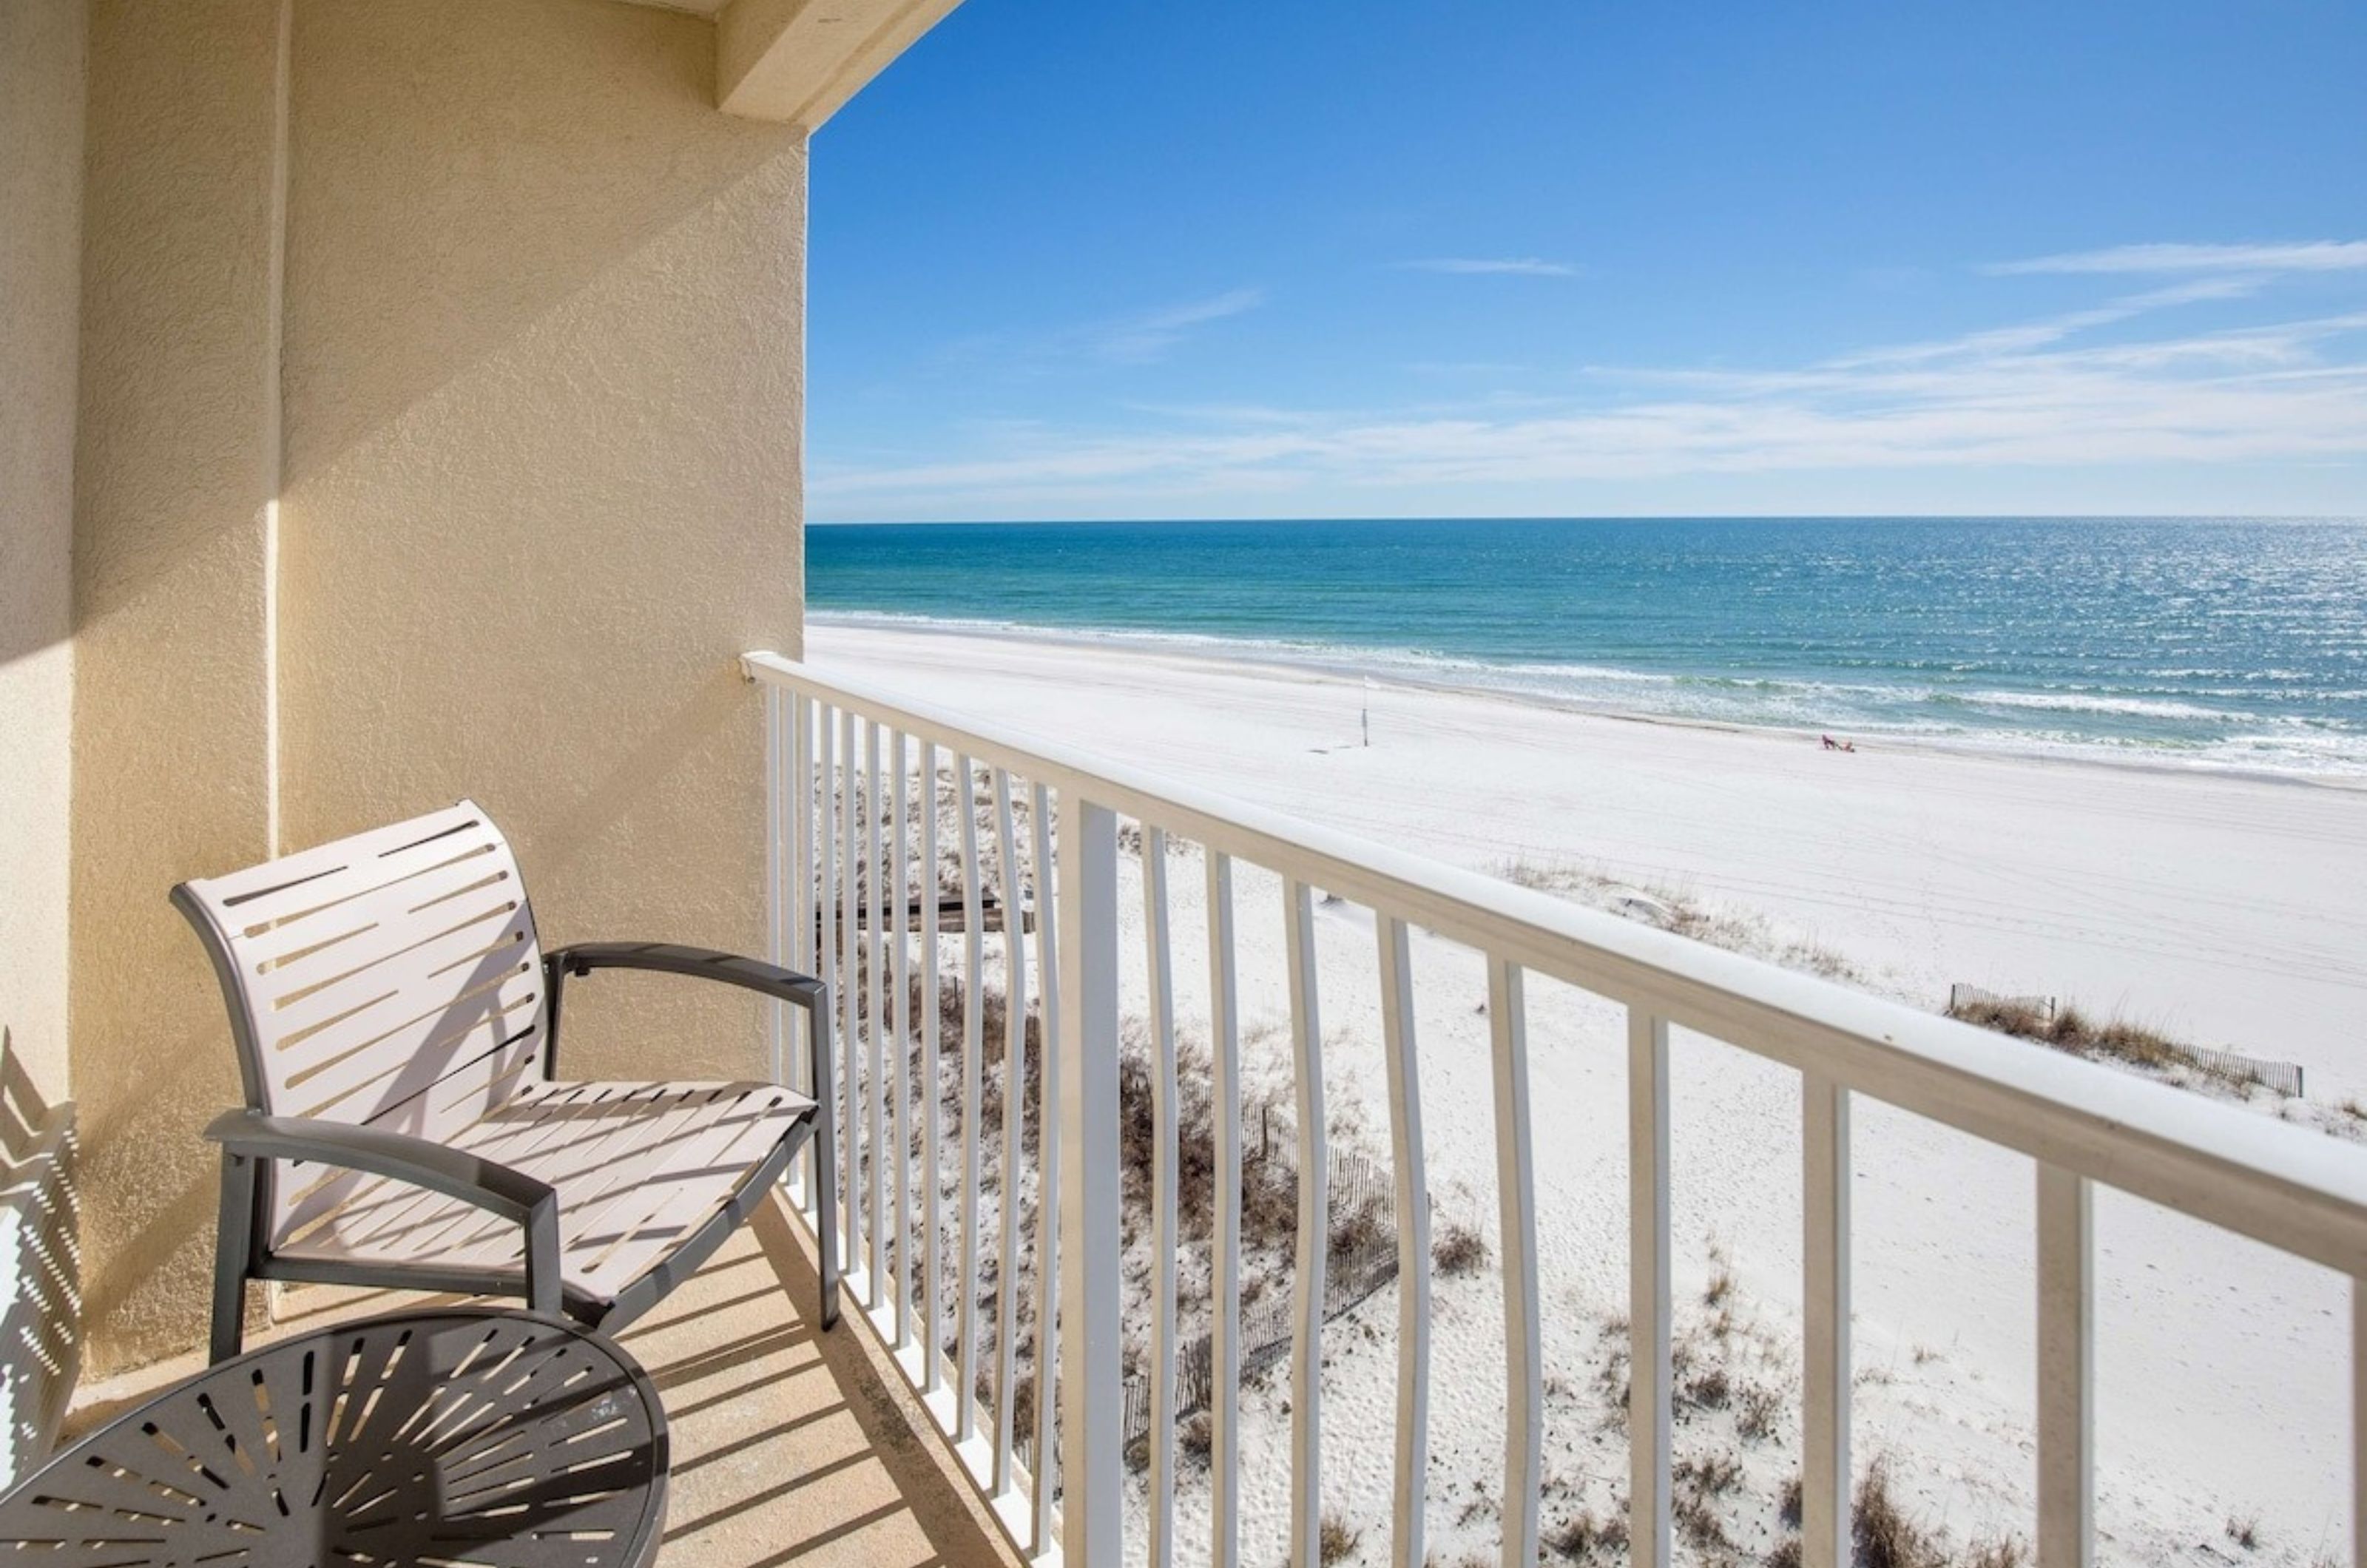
397, 1026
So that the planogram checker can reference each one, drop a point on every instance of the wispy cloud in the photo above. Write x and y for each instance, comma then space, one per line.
1507, 267
2055, 394
2028, 336
2315, 255
1225, 413
1134, 340
1028, 353
2273, 392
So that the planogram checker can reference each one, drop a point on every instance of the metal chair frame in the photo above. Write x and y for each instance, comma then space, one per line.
253, 925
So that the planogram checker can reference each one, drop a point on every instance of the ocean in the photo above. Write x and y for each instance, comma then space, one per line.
2233, 643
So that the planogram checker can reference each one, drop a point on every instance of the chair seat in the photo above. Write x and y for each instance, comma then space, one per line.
639, 1169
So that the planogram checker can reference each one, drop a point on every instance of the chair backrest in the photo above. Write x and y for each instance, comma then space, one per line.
392, 978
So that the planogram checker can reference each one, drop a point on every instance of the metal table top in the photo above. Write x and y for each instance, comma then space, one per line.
475, 1435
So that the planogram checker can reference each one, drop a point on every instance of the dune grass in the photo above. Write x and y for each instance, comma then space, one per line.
1682, 913
2070, 1029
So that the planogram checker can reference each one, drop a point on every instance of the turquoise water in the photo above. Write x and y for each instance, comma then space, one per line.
2229, 643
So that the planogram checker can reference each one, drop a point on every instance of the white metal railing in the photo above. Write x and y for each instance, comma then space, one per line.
2082, 1123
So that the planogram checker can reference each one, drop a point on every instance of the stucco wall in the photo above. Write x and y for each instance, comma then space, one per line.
530, 406
42, 46
544, 380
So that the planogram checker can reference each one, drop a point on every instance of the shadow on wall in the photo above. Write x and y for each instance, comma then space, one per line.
40, 1267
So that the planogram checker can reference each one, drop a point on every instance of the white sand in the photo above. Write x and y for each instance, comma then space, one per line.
2227, 911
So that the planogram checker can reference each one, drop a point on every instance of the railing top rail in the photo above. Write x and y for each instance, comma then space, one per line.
2292, 1188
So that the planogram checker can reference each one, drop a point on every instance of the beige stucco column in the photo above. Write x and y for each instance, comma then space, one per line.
544, 380
171, 491
41, 49
485, 501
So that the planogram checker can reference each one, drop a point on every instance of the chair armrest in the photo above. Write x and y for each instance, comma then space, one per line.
498, 1189
702, 964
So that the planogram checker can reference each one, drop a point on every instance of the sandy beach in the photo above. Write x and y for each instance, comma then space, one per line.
2226, 911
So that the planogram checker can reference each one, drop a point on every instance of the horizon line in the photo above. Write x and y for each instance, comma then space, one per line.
2275, 517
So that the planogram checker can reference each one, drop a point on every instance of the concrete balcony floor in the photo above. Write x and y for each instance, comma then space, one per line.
790, 1446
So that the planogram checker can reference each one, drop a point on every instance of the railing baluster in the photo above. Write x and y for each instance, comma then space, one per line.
1524, 1393
850, 994
2358, 1423
826, 888
1224, 1266
1049, 1195
1092, 1391
972, 1102
801, 835
1825, 1253
1649, 1410
1159, 970
801, 913
932, 1265
899, 1150
1413, 1244
777, 863
874, 993
2066, 1369
826, 926
1014, 1088
1314, 1233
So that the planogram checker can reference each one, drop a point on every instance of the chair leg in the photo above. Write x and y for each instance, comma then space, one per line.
234, 1253
824, 1143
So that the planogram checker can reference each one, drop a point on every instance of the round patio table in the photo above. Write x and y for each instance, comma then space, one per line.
471, 1436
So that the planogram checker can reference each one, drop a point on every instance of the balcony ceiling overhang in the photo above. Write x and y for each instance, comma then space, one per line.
797, 61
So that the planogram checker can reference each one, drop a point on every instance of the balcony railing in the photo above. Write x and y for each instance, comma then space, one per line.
856, 776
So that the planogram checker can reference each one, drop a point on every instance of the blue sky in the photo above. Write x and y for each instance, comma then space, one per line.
1115, 259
